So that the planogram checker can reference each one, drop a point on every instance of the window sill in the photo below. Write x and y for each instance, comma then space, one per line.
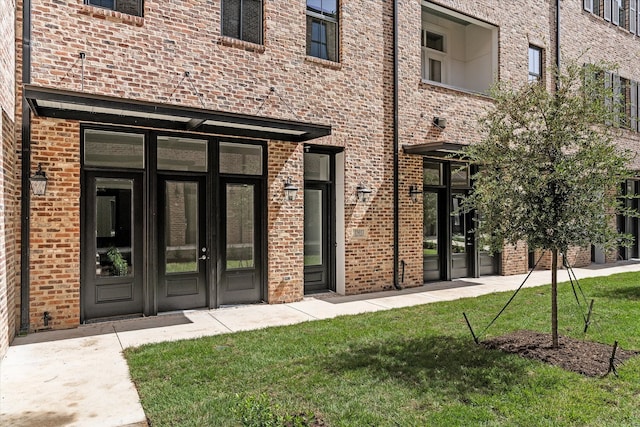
251, 47
323, 62
111, 15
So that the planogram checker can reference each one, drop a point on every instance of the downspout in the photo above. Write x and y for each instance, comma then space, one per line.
396, 210
557, 40
25, 199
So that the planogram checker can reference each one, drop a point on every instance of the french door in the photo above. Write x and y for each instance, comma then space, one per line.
112, 245
182, 248
241, 245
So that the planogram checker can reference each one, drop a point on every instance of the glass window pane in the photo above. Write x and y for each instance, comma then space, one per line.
113, 149
459, 175
240, 227
458, 227
182, 154
114, 227
430, 230
231, 18
245, 159
435, 70
313, 232
435, 41
316, 167
432, 173
252, 21
181, 227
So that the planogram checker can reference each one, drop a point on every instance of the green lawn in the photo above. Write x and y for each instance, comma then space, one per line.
416, 366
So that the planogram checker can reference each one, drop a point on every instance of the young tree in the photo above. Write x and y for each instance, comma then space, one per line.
549, 173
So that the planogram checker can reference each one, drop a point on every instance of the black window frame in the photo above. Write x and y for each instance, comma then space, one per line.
239, 32
537, 76
325, 20
116, 6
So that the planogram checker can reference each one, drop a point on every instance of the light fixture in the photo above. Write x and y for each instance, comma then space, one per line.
39, 181
439, 122
363, 193
290, 190
414, 192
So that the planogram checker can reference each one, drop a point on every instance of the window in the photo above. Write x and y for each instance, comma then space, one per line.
322, 29
623, 99
457, 50
535, 64
623, 13
103, 148
240, 159
130, 7
242, 19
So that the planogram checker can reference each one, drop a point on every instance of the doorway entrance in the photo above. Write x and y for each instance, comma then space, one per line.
319, 222
113, 251
182, 248
170, 222
242, 242
449, 245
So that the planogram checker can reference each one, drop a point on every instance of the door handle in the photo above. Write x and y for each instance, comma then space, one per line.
203, 257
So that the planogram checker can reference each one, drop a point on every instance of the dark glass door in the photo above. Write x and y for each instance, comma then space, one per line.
461, 239
112, 245
182, 252
317, 237
241, 278
431, 236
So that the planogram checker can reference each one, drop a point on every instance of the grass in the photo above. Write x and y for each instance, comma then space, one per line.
416, 366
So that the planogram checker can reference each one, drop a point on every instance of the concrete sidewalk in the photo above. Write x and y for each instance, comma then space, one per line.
79, 377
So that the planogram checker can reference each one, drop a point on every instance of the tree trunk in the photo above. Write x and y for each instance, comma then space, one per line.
554, 298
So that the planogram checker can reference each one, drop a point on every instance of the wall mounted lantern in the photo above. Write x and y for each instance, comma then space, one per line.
414, 193
290, 190
39, 181
439, 122
363, 193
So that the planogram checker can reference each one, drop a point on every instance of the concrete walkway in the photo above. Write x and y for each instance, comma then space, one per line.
79, 377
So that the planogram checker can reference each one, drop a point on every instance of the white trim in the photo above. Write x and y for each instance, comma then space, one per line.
634, 106
632, 17
457, 15
340, 225
588, 5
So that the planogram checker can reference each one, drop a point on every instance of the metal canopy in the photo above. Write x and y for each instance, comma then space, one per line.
435, 148
62, 104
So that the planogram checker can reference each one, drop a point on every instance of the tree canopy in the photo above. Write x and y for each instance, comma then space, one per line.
549, 171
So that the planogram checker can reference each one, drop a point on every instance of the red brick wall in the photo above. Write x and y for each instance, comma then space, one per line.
286, 224
8, 278
55, 225
145, 58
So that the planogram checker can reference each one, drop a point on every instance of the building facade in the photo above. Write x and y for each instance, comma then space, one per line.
238, 151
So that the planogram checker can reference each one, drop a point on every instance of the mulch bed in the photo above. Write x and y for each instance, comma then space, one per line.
584, 357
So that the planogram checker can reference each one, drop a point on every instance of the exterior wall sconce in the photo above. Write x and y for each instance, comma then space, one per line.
39, 182
414, 193
363, 193
290, 190
439, 122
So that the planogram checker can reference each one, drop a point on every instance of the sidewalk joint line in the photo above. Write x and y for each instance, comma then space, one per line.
117, 336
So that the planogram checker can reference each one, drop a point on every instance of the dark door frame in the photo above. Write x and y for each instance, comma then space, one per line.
329, 215
149, 197
87, 240
202, 214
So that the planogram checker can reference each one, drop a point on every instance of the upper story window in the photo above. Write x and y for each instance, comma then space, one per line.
242, 19
624, 13
622, 98
322, 29
458, 50
535, 64
130, 7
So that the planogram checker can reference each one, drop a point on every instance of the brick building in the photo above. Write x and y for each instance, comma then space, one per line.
174, 137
